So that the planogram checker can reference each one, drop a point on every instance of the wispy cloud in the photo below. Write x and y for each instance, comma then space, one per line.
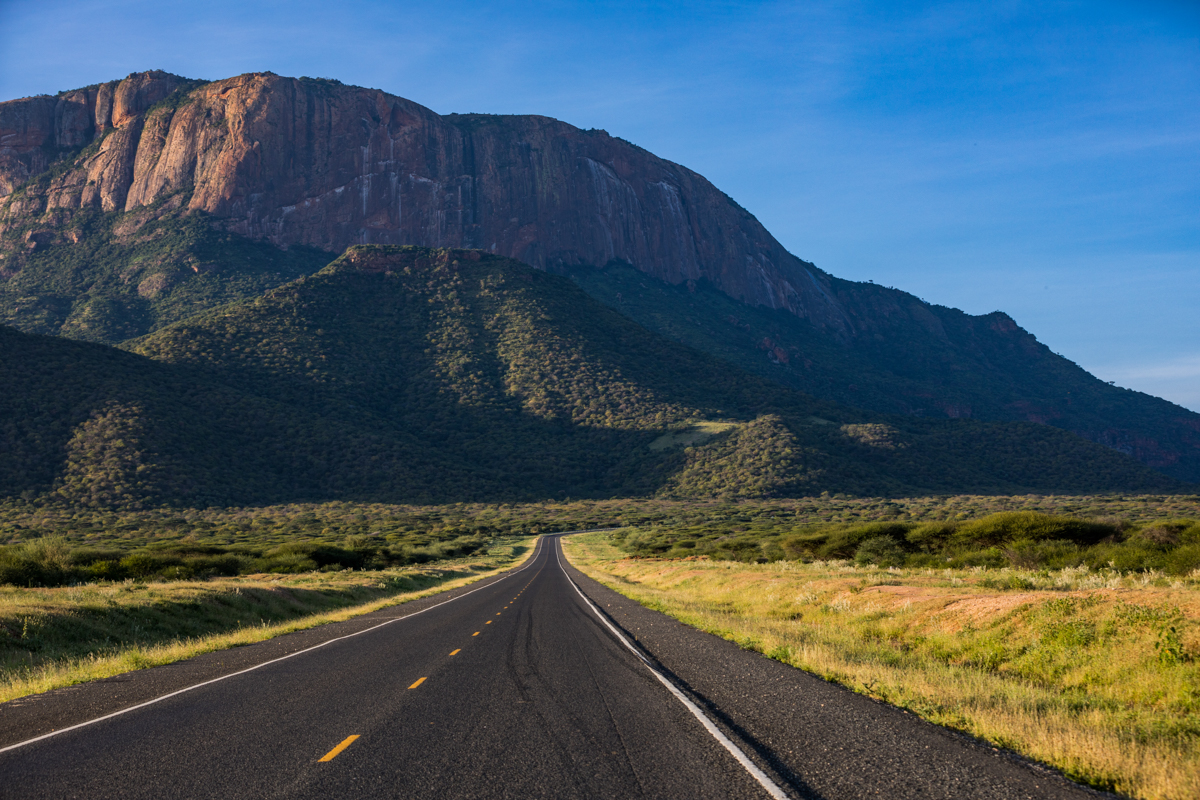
1182, 368
1176, 379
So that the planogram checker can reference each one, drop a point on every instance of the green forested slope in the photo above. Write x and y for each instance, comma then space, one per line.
911, 359
94, 426
414, 375
512, 370
107, 277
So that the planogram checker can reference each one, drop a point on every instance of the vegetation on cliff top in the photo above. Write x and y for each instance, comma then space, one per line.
111, 277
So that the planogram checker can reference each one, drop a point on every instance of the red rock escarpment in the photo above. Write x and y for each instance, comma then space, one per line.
318, 163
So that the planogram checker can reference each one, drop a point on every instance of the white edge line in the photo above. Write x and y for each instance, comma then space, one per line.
169, 695
769, 785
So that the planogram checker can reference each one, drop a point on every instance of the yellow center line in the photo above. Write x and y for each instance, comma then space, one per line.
497, 613
456, 652
349, 740
418, 683
476, 633
489, 622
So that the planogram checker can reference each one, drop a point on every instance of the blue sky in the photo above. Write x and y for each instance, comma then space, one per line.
1040, 158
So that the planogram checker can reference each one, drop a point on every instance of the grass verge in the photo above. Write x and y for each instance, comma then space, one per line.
1096, 675
50, 638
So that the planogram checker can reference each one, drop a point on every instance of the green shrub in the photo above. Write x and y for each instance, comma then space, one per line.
931, 536
320, 554
1183, 560
227, 564
882, 551
1047, 554
144, 565
844, 543
991, 557
1011, 526
40, 562
287, 563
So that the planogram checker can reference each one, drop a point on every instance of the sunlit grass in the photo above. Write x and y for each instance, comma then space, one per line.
50, 638
1093, 673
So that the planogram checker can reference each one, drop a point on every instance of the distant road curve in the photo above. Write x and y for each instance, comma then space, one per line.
537, 684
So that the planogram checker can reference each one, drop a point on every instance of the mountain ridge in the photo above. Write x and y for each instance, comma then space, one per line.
317, 163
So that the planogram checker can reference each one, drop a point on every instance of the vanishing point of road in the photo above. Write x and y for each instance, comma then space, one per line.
538, 683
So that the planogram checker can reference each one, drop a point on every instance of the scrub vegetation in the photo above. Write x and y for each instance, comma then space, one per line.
1094, 670
1019, 539
909, 358
411, 375
107, 277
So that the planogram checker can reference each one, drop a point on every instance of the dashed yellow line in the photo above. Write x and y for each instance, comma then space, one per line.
456, 652
349, 740
476, 633
418, 683
489, 622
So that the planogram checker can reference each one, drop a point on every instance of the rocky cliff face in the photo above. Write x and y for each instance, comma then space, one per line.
319, 163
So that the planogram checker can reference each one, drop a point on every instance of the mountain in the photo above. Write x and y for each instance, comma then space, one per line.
265, 160
417, 375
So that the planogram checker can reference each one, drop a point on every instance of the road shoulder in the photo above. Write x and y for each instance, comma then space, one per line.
822, 739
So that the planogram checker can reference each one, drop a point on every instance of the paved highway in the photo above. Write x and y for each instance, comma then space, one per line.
529, 686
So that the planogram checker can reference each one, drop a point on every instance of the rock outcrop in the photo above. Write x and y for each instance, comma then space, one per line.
319, 163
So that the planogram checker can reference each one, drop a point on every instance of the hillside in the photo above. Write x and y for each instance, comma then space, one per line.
111, 277
86, 176
414, 375
931, 362
504, 368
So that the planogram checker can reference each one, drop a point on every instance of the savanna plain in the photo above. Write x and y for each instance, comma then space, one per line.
1062, 628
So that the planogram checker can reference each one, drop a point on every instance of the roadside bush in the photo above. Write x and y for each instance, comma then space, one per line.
798, 547
1169, 533
1048, 554
1023, 540
286, 564
990, 557
1183, 561
51, 561
844, 543
227, 564
40, 562
1012, 526
323, 555
931, 536
145, 565
103, 570
882, 551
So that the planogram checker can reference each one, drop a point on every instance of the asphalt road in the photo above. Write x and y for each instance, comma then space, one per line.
521, 688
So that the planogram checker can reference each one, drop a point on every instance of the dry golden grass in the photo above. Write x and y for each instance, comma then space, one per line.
1095, 674
50, 638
